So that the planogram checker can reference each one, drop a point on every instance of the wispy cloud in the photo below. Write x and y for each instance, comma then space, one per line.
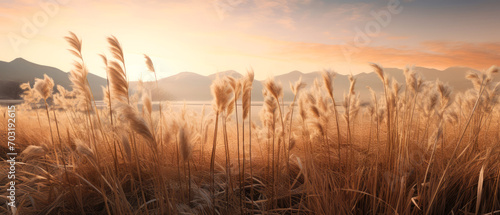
436, 54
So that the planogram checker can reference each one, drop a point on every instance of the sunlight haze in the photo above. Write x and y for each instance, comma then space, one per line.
273, 37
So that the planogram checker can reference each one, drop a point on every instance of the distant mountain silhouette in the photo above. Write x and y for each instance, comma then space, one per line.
20, 71
190, 86
231, 73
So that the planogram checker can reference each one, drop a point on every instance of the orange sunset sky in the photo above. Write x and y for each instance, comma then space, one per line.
273, 37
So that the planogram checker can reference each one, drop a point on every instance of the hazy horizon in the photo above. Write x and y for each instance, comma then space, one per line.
266, 77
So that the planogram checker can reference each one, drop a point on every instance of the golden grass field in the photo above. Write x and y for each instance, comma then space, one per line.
419, 149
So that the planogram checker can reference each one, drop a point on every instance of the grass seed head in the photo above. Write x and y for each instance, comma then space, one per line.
44, 86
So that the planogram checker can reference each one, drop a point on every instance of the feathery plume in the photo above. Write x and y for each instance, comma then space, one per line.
247, 91
411, 80
378, 70
186, 137
328, 81
78, 75
297, 86
492, 70
149, 64
44, 86
104, 59
116, 49
431, 103
83, 149
30, 95
33, 151
105, 93
126, 147
146, 102
444, 92
275, 89
75, 43
136, 122
118, 82
230, 108
220, 91
184, 144
352, 82
270, 104
474, 78
250, 75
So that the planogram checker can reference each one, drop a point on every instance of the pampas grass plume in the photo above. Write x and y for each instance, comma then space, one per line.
136, 122
44, 86
33, 151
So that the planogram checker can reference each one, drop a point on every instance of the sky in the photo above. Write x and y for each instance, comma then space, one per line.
271, 36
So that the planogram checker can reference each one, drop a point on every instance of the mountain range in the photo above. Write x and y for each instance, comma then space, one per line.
18, 71
190, 86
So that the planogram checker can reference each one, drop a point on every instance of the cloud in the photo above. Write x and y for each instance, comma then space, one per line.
397, 37
349, 12
280, 12
435, 54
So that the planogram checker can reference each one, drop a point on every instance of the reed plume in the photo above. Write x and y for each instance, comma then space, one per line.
83, 149
146, 102
118, 83
236, 86
117, 73
29, 95
276, 90
33, 151
44, 86
296, 88
186, 137
78, 75
116, 49
136, 122
126, 147
220, 92
246, 101
106, 91
106, 97
151, 68
380, 72
328, 78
